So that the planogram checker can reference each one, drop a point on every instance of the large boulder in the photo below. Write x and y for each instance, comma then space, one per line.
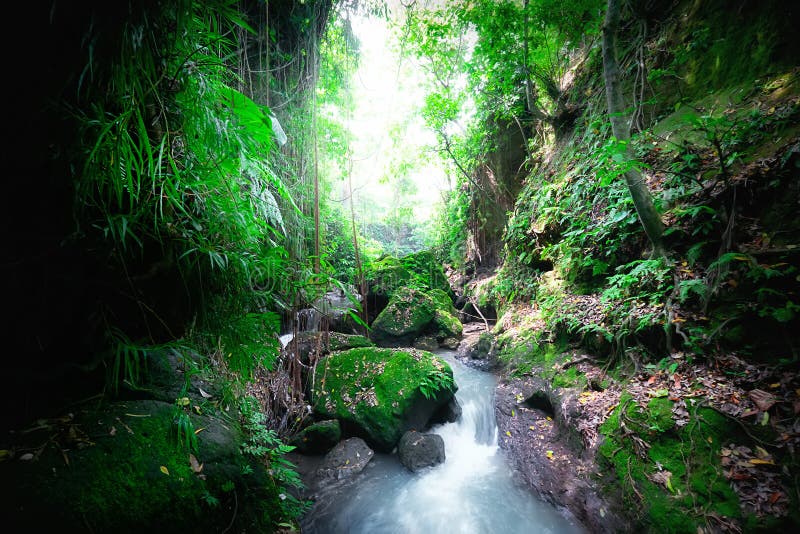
380, 393
418, 451
408, 315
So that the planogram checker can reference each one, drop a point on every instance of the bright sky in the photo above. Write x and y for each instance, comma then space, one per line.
389, 93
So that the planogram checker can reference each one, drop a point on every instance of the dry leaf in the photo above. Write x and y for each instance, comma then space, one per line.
762, 399
759, 461
204, 394
197, 467
27, 456
550, 455
164, 470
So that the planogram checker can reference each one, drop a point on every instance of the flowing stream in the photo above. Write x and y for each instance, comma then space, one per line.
472, 492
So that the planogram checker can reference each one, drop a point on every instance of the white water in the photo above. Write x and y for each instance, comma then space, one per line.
472, 492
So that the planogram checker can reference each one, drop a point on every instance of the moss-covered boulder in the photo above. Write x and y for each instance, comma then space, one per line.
124, 469
447, 326
380, 393
408, 314
443, 301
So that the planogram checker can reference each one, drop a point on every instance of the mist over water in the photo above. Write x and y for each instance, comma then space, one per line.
472, 492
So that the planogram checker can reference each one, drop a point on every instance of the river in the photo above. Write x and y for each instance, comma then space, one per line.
472, 492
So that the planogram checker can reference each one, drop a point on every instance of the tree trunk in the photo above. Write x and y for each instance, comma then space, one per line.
620, 128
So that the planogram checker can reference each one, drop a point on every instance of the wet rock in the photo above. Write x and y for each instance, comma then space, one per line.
418, 451
534, 423
426, 343
449, 413
450, 343
345, 460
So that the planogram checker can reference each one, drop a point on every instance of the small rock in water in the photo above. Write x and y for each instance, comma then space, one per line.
347, 458
418, 451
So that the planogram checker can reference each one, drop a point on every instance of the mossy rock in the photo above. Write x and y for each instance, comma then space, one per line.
443, 301
380, 393
127, 472
407, 315
447, 326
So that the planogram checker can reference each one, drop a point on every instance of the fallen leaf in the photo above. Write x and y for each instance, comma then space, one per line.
651, 380
508, 433
199, 430
762, 399
113, 431
197, 467
204, 394
183, 401
164, 470
774, 497
27, 456
759, 461
550, 455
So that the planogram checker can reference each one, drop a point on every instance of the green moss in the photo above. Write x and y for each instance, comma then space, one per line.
569, 378
681, 473
446, 325
374, 389
659, 414
442, 300
720, 51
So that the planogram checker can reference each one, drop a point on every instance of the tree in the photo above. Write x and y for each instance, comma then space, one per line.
620, 128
